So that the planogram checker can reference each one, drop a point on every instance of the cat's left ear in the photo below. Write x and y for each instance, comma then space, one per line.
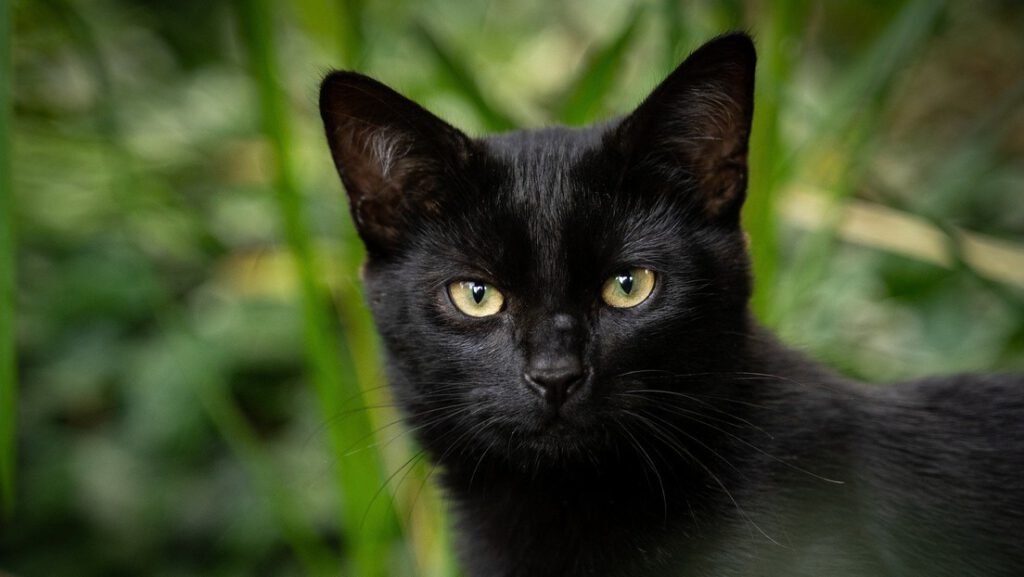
692, 131
393, 156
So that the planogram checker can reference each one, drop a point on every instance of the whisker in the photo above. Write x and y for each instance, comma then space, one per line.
384, 485
480, 460
719, 482
651, 464
641, 392
458, 410
753, 446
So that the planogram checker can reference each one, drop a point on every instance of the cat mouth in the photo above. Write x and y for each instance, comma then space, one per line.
561, 423
553, 421
562, 439
560, 416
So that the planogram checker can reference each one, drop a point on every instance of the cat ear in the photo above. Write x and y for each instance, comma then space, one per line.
691, 132
392, 156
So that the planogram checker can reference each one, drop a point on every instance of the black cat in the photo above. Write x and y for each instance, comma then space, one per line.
565, 319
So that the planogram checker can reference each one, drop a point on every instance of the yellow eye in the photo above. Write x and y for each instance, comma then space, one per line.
475, 298
628, 288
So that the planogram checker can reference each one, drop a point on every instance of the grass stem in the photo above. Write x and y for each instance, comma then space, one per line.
8, 380
369, 530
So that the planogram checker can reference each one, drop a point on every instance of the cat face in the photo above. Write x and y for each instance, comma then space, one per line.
533, 289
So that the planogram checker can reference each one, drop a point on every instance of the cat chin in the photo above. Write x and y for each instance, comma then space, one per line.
530, 444
555, 451
558, 442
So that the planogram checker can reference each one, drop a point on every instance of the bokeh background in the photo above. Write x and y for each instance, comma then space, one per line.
198, 388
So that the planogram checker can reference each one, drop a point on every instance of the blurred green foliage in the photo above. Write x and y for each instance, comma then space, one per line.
199, 389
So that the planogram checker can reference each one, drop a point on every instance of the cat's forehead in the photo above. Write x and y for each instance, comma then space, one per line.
543, 165
550, 211
545, 143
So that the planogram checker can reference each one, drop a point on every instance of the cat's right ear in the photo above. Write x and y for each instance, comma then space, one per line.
692, 130
392, 156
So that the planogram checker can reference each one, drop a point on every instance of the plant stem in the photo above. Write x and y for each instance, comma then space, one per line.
759, 215
369, 530
8, 383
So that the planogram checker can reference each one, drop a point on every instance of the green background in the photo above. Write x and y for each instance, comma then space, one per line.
197, 385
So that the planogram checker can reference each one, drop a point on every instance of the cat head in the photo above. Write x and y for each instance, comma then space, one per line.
534, 289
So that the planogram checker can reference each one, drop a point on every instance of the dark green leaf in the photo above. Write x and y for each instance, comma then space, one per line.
589, 92
458, 75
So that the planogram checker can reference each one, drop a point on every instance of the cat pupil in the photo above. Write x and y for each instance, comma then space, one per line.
626, 282
478, 290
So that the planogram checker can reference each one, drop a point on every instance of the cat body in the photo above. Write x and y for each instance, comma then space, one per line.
565, 318
868, 483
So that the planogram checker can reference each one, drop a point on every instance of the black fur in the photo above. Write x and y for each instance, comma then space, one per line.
694, 443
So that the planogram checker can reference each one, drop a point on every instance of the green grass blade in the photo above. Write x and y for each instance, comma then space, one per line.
875, 71
88, 45
675, 35
369, 530
587, 95
759, 215
458, 75
422, 512
852, 118
974, 156
861, 90
337, 26
352, 37
8, 382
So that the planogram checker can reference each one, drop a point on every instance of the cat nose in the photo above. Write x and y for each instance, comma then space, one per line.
555, 380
